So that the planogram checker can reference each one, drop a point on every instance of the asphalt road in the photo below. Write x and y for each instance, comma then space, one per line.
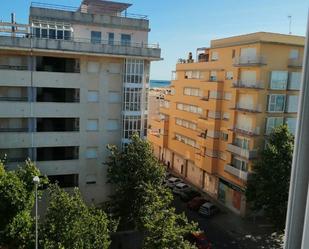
219, 238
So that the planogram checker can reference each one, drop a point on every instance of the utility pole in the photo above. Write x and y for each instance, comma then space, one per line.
290, 24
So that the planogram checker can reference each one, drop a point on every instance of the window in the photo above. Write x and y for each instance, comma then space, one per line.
52, 30
92, 124
194, 74
132, 99
293, 54
59, 34
229, 75
52, 33
227, 96
242, 142
189, 108
186, 124
64, 181
294, 81
224, 136
186, 140
276, 103
279, 80
112, 125
125, 40
114, 97
93, 96
215, 95
131, 124
292, 103
44, 33
214, 115
165, 104
96, 37
214, 56
226, 116
238, 163
291, 122
213, 76
134, 71
92, 152
192, 92
93, 67
233, 53
111, 37
273, 122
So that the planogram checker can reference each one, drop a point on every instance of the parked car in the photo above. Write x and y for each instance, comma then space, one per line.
172, 182
180, 187
188, 194
208, 209
196, 203
199, 239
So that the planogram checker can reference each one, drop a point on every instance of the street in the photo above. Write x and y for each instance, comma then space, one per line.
226, 230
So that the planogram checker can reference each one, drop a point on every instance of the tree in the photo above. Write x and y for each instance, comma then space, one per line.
268, 188
164, 228
16, 203
141, 201
70, 223
129, 171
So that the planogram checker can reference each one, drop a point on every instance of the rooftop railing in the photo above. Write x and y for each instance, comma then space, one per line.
75, 9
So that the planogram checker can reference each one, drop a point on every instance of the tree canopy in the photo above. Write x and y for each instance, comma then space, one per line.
268, 188
142, 201
70, 223
16, 202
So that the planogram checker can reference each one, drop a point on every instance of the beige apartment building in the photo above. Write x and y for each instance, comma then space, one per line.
221, 108
72, 81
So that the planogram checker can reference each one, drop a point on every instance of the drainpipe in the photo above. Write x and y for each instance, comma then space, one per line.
297, 224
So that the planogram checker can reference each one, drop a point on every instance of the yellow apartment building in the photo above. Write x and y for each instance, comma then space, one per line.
222, 107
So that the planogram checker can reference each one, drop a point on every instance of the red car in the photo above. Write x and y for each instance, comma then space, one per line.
196, 202
199, 239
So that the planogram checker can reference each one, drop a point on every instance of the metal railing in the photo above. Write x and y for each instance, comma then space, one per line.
113, 43
244, 131
242, 107
75, 9
8, 129
14, 99
249, 60
10, 67
247, 84
295, 62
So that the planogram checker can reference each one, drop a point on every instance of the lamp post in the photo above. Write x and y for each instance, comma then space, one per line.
36, 181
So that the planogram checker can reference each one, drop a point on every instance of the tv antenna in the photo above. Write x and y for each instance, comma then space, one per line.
290, 24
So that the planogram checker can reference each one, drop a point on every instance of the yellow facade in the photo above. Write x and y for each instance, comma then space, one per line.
223, 106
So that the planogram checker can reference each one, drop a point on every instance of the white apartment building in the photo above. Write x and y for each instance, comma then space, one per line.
72, 81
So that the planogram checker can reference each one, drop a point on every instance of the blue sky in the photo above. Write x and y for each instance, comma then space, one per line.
181, 26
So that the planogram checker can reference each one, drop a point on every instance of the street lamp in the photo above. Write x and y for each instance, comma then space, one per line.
36, 181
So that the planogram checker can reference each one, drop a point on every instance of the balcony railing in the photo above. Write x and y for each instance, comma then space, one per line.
295, 62
245, 84
14, 99
236, 172
75, 9
257, 60
82, 45
248, 154
8, 129
245, 131
10, 67
250, 109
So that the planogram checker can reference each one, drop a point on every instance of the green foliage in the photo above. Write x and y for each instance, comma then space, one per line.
70, 224
141, 201
16, 201
268, 187
128, 171
164, 228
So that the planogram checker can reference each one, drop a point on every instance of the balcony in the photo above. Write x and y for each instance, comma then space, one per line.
245, 61
296, 63
245, 131
249, 109
249, 85
248, 154
236, 172
82, 45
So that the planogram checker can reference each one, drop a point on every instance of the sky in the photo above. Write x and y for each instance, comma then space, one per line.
181, 26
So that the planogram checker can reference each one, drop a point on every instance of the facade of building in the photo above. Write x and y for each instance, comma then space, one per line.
222, 107
72, 81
